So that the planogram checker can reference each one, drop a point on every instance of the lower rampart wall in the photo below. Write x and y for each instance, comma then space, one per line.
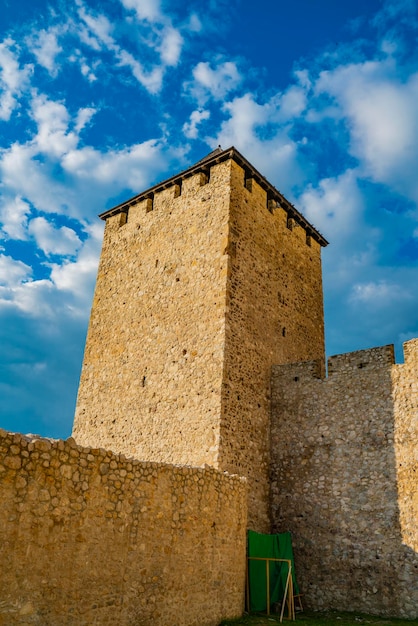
345, 478
90, 537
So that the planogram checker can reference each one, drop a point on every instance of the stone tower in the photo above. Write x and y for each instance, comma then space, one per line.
205, 281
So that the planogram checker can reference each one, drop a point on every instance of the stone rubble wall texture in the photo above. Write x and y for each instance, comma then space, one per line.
91, 537
152, 374
195, 300
202, 289
344, 478
274, 315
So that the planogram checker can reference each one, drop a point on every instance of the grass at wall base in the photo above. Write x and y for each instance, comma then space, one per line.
316, 618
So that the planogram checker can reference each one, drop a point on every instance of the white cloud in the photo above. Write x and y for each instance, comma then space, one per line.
51, 173
215, 83
151, 80
145, 9
162, 39
377, 294
101, 29
68, 290
88, 39
382, 118
53, 120
245, 115
291, 103
23, 174
334, 205
128, 167
33, 298
51, 240
46, 48
194, 23
190, 128
14, 217
256, 130
83, 118
171, 45
13, 80
87, 72
78, 277
87, 67
12, 272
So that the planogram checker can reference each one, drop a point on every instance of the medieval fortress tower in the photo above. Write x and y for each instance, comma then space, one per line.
204, 283
204, 409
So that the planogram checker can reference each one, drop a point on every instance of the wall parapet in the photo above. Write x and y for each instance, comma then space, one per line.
89, 536
346, 363
343, 478
274, 199
410, 351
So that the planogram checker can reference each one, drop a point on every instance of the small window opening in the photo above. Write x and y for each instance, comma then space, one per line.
149, 206
248, 181
144, 379
177, 188
271, 202
283, 332
123, 218
204, 177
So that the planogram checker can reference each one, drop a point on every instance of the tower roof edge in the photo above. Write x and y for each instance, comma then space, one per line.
217, 156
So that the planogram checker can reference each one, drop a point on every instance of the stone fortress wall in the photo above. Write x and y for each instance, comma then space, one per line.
152, 373
91, 537
204, 283
274, 314
344, 478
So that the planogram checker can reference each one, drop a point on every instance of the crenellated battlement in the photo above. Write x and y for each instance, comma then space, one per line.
410, 352
299, 372
348, 363
201, 174
361, 360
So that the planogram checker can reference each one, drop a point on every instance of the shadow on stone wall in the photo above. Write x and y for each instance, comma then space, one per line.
343, 479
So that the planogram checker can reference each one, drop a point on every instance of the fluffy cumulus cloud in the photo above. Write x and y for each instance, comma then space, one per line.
12, 272
255, 129
380, 108
14, 78
51, 240
14, 217
214, 82
335, 205
44, 45
191, 128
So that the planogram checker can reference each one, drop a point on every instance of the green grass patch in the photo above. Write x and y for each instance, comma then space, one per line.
326, 618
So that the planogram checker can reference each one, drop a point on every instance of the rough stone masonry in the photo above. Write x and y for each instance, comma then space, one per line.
204, 283
203, 392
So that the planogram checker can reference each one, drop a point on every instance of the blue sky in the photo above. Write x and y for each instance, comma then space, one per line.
98, 101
